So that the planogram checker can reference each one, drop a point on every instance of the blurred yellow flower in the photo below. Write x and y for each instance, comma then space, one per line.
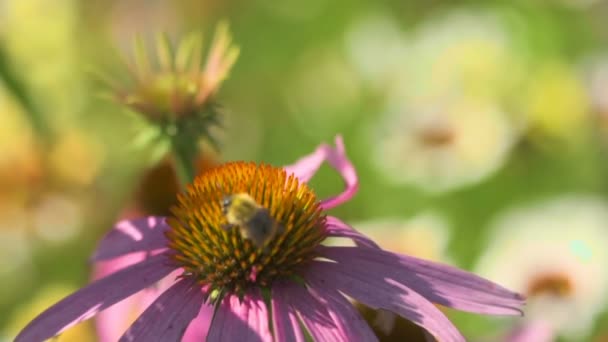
555, 103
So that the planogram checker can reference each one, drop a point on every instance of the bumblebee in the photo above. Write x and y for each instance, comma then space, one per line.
253, 221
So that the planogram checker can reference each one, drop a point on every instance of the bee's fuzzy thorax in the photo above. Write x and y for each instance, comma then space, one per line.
232, 260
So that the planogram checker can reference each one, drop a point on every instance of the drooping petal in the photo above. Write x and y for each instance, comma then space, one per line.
345, 316
336, 228
128, 236
441, 284
199, 327
306, 167
236, 321
167, 318
314, 314
338, 160
95, 297
284, 318
378, 292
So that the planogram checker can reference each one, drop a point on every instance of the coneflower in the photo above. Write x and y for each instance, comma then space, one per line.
275, 289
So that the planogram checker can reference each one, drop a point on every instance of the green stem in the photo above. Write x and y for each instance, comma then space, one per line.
184, 166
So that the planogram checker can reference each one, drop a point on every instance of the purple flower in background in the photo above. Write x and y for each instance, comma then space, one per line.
246, 239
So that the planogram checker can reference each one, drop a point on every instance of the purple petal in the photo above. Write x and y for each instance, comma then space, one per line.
105, 268
97, 296
306, 167
128, 236
236, 321
167, 318
337, 228
345, 316
199, 327
441, 284
112, 322
378, 292
284, 318
314, 314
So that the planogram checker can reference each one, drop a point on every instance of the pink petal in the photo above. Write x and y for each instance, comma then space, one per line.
337, 228
536, 331
95, 297
338, 160
284, 318
129, 236
379, 292
199, 327
314, 314
112, 322
344, 314
441, 284
167, 318
236, 321
306, 167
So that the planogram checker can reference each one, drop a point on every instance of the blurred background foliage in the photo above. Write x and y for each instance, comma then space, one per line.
461, 108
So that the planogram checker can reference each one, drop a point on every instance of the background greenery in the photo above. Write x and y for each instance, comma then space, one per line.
48, 49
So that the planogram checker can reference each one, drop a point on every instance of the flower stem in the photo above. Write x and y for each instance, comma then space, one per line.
184, 166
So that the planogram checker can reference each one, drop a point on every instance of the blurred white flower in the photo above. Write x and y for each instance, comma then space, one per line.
466, 51
446, 123
441, 144
555, 253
